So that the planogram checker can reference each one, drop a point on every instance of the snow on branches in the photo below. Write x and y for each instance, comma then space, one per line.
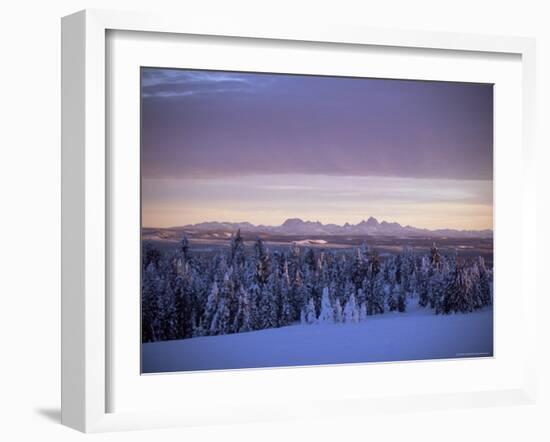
243, 288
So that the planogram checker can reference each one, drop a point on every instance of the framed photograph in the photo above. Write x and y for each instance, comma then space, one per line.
233, 277
264, 222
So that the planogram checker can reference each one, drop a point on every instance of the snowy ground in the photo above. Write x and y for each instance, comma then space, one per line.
417, 334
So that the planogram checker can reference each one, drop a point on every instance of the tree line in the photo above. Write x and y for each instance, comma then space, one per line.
244, 288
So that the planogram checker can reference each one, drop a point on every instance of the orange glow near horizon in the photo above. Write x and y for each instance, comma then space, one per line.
270, 200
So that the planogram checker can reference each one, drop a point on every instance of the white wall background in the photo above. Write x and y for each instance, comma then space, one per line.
30, 216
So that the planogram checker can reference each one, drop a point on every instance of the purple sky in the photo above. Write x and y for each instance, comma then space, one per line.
261, 147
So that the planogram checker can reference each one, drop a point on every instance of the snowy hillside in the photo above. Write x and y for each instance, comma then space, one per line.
417, 334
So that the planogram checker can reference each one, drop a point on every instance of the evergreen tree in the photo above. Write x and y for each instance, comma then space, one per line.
326, 316
309, 261
267, 304
297, 294
220, 321
338, 313
373, 286
188, 295
395, 297
483, 283
402, 301
150, 307
310, 315
255, 295
407, 266
184, 247
263, 268
303, 319
244, 318
423, 282
184, 297
229, 294
436, 289
286, 315
236, 250
150, 255
351, 313
211, 307
435, 257
458, 291
358, 268
362, 312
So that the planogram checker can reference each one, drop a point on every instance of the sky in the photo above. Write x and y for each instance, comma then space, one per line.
234, 146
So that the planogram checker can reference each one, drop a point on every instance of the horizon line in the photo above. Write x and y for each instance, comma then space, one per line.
319, 222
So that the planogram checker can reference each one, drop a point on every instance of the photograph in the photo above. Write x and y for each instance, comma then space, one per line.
292, 220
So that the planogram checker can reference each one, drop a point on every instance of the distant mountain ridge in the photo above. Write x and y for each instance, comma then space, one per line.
296, 226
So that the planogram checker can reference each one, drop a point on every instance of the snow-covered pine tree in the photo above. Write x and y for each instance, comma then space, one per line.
458, 290
321, 267
435, 257
255, 295
229, 292
393, 299
167, 301
465, 303
484, 282
150, 307
294, 261
349, 289
365, 251
150, 255
286, 312
236, 250
274, 284
221, 323
311, 290
408, 270
263, 267
368, 299
338, 313
359, 268
242, 321
373, 262
436, 288
423, 281
310, 314
474, 276
373, 286
351, 314
186, 295
184, 247
303, 319
183, 287
309, 261
199, 330
414, 287
402, 301
267, 304
297, 294
362, 312
326, 316
211, 308
361, 297
451, 290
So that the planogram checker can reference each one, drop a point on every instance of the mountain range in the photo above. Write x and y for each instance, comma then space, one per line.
372, 227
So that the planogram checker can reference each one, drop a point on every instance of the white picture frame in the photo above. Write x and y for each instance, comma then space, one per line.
86, 356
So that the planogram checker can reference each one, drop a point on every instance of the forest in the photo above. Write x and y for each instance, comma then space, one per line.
243, 288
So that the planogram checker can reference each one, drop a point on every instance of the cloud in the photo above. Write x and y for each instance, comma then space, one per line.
155, 76
171, 83
224, 124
